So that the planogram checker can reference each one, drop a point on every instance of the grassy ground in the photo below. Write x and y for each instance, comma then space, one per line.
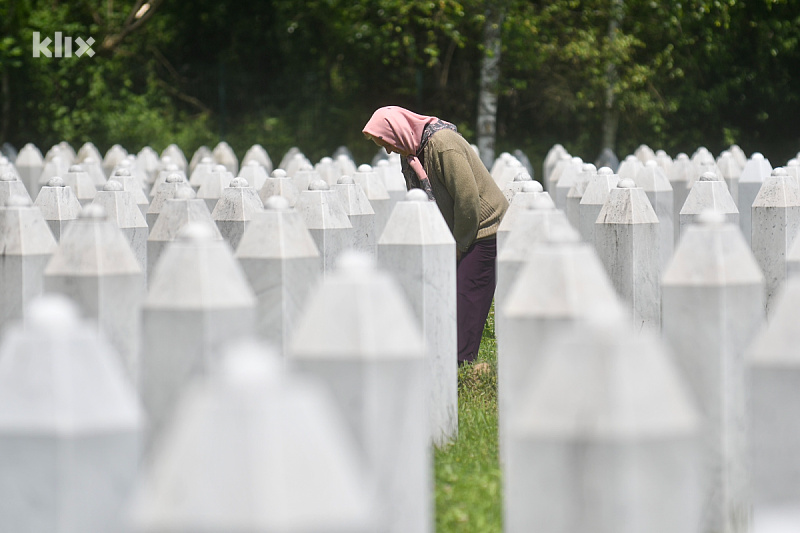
467, 472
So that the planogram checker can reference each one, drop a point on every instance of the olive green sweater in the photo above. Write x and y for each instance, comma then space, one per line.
469, 199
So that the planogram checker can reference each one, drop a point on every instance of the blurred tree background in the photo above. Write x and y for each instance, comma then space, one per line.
585, 73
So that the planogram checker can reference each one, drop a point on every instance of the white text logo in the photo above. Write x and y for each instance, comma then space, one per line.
63, 46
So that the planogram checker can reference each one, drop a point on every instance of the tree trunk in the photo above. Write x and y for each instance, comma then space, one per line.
490, 75
611, 114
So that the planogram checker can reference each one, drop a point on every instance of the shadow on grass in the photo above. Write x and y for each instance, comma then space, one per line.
467, 472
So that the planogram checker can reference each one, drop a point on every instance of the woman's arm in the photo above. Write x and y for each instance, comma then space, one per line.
460, 182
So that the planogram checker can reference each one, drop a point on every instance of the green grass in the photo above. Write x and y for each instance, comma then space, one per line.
467, 472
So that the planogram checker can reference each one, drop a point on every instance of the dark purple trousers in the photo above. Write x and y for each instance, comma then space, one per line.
475, 286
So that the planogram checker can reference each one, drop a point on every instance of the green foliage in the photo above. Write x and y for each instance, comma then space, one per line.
283, 72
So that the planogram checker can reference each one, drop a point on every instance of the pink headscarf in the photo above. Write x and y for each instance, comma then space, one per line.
402, 129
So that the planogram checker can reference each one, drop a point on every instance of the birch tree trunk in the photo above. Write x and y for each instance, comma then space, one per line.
490, 75
610, 113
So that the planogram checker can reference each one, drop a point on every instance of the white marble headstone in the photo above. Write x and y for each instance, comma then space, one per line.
712, 308
627, 242
70, 425
654, 182
606, 439
198, 299
237, 206
29, 164
282, 264
255, 449
592, 200
183, 208
361, 338
121, 208
419, 250
279, 184
95, 266
775, 225
752, 177
326, 219
26, 245
708, 193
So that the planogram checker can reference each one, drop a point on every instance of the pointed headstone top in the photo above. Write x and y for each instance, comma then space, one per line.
93, 246
652, 178
709, 193
17, 200
778, 190
416, 221
196, 232
359, 313
112, 185
276, 203
599, 186
278, 232
630, 389
29, 156
756, 169
353, 263
198, 271
710, 176
296, 471
58, 378
712, 253
54, 312
530, 186
627, 204
318, 185
185, 193
416, 195
93, 212
577, 285
710, 217
23, 230
542, 203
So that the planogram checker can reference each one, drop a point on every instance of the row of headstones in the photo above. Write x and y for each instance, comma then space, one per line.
379, 337
36, 170
677, 192
605, 428
397, 391
232, 202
